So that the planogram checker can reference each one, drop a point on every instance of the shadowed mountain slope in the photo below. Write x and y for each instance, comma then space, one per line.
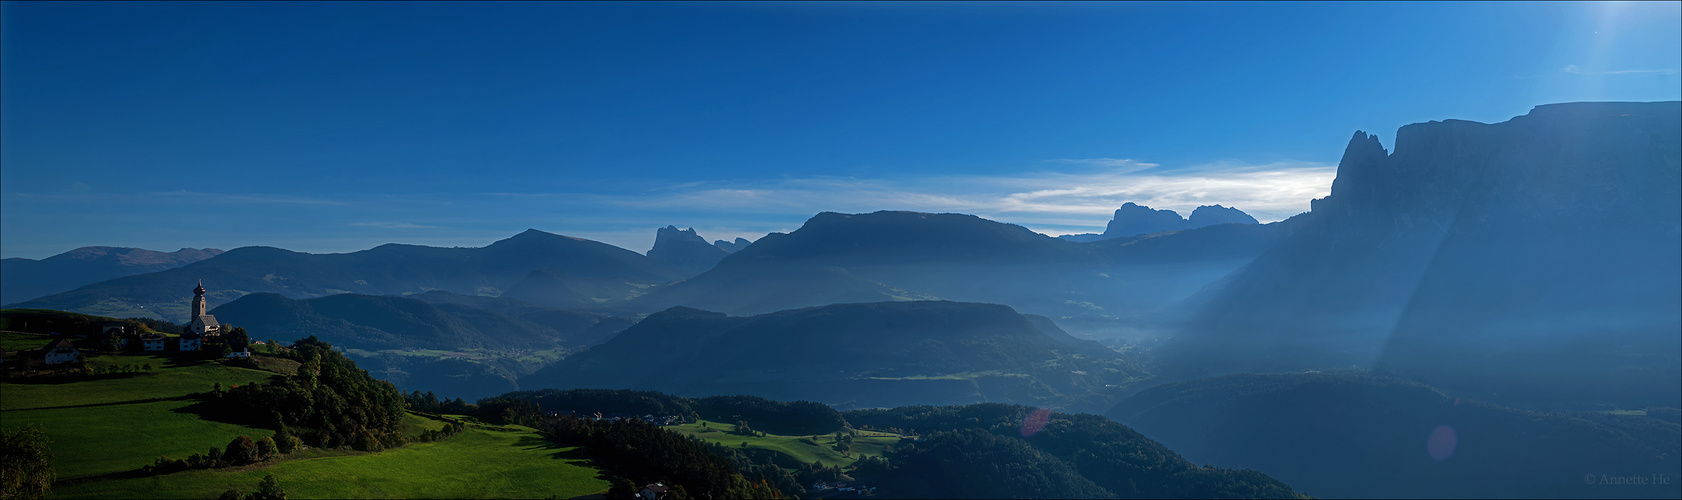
871, 354
1535, 262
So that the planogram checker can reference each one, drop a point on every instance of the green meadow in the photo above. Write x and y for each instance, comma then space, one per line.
104, 429
94, 440
171, 376
474, 464
870, 443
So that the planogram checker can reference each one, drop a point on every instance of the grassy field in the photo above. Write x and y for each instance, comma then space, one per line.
172, 376
865, 443
13, 342
473, 464
104, 439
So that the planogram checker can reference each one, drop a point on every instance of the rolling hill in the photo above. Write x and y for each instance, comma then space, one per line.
871, 354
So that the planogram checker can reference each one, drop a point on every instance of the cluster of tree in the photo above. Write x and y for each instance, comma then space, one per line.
761, 468
329, 401
974, 463
241, 451
607, 401
268, 489
760, 415
78, 371
816, 471
844, 441
638, 449
788, 418
26, 463
429, 402
235, 338
510, 411
124, 369
450, 429
1111, 456
743, 429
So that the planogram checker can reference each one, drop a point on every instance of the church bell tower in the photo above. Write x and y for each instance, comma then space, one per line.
198, 301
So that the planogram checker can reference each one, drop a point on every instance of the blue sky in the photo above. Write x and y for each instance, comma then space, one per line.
328, 127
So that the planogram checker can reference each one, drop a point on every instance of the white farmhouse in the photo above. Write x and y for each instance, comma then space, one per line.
61, 351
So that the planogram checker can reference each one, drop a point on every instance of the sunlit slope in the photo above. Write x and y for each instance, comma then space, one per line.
473, 464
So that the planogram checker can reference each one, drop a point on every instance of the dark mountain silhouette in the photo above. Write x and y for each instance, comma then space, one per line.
686, 250
26, 279
1135, 220
732, 246
872, 354
836, 258
390, 269
1535, 262
1355, 435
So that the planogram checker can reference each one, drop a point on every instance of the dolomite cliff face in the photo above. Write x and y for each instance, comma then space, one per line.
1485, 257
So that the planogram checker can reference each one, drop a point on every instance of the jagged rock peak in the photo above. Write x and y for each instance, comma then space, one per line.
1209, 215
732, 246
1132, 219
673, 234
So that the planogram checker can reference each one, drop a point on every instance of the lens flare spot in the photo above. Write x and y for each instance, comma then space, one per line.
1442, 442
1035, 422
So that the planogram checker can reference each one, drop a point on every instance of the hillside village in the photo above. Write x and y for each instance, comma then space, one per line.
70, 343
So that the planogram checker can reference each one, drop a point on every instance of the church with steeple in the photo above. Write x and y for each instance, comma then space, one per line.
203, 323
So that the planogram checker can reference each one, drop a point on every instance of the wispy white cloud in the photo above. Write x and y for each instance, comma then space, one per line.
1119, 164
1573, 69
1269, 192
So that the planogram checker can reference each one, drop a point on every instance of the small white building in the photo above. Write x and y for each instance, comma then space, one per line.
654, 491
61, 351
242, 353
191, 342
152, 342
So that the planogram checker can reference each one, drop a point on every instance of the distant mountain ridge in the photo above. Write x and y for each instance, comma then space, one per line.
390, 269
894, 255
26, 279
861, 355
1135, 220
